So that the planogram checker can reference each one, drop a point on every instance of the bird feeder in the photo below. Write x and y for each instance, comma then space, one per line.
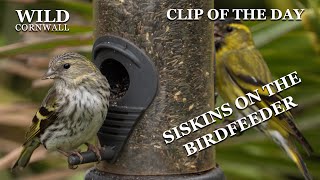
161, 75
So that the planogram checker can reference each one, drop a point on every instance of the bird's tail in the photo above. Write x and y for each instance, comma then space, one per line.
26, 153
288, 145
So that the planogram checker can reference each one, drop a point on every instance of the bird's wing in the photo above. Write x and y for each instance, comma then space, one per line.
248, 68
251, 74
46, 114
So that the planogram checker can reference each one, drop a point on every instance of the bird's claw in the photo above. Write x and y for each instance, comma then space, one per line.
75, 153
73, 167
94, 149
72, 153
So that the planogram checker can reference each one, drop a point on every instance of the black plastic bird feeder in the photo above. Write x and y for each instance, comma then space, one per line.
161, 75
134, 82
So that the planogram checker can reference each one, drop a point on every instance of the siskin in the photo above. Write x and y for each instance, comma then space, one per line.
240, 69
73, 110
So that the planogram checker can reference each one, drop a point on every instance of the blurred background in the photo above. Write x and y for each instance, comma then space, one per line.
286, 47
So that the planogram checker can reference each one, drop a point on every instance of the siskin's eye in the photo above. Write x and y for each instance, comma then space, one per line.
229, 29
66, 66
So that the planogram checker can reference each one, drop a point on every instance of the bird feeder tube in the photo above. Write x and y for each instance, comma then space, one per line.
176, 58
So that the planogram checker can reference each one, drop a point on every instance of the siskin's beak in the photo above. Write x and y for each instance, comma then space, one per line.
50, 74
217, 29
218, 36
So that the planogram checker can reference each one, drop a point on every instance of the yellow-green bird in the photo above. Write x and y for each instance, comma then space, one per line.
73, 110
240, 69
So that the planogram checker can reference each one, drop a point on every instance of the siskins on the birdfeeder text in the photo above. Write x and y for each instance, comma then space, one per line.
242, 103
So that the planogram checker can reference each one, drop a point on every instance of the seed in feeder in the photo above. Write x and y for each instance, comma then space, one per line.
176, 95
167, 28
191, 107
